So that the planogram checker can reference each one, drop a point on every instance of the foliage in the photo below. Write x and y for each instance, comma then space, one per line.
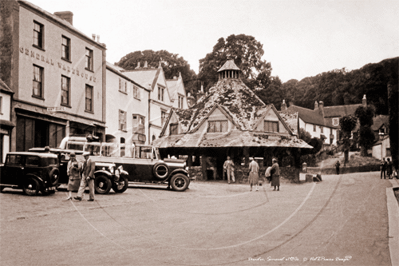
347, 124
393, 96
365, 115
304, 135
366, 135
247, 53
172, 64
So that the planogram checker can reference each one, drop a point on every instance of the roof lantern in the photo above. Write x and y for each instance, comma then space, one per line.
229, 70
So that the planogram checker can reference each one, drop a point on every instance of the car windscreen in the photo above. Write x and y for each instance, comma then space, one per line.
75, 145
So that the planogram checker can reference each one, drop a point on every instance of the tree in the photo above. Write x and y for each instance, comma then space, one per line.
172, 64
366, 135
347, 124
393, 96
247, 53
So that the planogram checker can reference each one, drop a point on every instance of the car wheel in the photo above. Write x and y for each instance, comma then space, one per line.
1, 189
121, 186
179, 182
54, 176
31, 187
102, 184
161, 171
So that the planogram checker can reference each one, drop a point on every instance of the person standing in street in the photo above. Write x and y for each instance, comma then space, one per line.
253, 174
389, 168
275, 175
73, 172
87, 178
383, 167
337, 165
228, 168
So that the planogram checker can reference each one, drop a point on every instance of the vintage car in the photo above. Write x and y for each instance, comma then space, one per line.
30, 171
142, 163
106, 174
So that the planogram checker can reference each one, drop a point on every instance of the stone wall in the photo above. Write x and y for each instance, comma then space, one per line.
344, 170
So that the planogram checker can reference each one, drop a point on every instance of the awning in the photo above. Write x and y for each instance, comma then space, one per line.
6, 124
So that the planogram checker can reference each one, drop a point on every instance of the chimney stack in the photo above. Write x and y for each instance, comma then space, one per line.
98, 38
283, 106
316, 105
65, 15
145, 64
364, 101
321, 108
93, 36
138, 65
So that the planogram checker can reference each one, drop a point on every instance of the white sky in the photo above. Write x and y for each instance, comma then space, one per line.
300, 37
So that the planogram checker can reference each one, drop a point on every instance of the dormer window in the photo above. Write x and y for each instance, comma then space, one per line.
161, 92
217, 126
173, 129
270, 126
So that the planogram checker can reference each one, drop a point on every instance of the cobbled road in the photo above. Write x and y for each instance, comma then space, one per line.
339, 221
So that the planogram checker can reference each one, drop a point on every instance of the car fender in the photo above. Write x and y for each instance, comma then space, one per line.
38, 178
181, 171
108, 174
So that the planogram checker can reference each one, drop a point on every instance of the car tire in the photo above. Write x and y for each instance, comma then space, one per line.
122, 185
1, 189
54, 176
102, 184
179, 182
161, 171
31, 187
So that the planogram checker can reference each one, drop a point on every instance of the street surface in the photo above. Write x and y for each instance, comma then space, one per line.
339, 221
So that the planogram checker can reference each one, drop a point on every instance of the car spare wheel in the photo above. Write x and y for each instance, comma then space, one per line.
179, 182
102, 184
54, 177
31, 187
161, 171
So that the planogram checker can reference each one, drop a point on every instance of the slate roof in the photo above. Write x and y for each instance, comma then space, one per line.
308, 115
4, 87
291, 119
229, 65
146, 77
172, 86
119, 70
340, 110
378, 121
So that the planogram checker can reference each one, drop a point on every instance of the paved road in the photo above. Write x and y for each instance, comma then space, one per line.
342, 218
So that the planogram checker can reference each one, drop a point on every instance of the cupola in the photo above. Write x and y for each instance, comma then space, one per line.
229, 70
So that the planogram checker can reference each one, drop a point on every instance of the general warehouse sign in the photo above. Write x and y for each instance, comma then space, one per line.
55, 109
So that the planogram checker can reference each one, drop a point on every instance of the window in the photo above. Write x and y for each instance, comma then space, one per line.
217, 126
122, 86
388, 152
271, 126
37, 82
321, 129
89, 59
335, 121
136, 92
163, 117
173, 129
37, 35
65, 90
89, 99
161, 93
122, 120
66, 48
180, 101
138, 124
314, 128
1, 106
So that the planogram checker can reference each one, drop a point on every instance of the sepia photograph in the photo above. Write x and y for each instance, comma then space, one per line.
199, 132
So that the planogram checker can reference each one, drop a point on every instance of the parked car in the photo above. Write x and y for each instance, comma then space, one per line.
32, 172
106, 174
143, 164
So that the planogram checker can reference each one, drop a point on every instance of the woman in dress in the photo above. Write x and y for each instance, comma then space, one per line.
253, 174
275, 174
73, 172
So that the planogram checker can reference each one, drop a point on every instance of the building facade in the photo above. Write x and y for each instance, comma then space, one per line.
177, 92
5, 120
127, 108
57, 74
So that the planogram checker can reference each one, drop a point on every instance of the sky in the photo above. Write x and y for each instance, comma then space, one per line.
300, 38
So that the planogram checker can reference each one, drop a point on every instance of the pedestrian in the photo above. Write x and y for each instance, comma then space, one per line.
87, 178
228, 168
337, 165
73, 172
253, 177
275, 171
389, 168
268, 174
383, 167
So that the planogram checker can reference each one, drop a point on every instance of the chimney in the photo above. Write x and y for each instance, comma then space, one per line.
202, 87
98, 38
253, 113
65, 15
93, 36
138, 65
316, 105
321, 108
145, 64
283, 106
364, 101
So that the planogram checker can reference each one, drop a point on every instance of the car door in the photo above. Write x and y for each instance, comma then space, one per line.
14, 169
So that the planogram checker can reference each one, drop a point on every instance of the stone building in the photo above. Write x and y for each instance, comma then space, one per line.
57, 74
232, 121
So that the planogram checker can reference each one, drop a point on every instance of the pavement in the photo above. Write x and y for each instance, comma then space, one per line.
343, 220
393, 214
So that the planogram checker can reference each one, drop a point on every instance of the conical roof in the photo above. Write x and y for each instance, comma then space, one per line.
229, 65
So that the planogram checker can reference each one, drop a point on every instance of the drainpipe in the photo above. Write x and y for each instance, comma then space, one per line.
149, 116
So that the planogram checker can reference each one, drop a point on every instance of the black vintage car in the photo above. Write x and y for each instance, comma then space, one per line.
32, 172
106, 174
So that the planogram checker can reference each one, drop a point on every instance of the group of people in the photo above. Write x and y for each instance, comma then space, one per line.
272, 173
80, 176
386, 168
